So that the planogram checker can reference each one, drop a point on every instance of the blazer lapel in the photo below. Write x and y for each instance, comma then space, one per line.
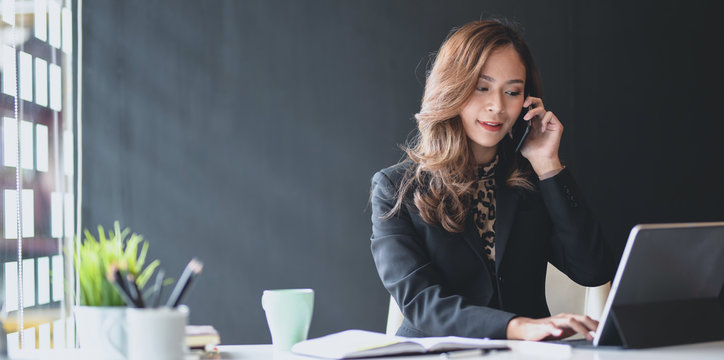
471, 236
506, 201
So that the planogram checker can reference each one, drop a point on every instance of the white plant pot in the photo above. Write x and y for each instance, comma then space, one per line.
102, 330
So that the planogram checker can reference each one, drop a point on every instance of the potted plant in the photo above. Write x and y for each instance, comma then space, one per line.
100, 314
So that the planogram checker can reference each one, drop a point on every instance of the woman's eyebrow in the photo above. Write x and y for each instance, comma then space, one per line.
514, 81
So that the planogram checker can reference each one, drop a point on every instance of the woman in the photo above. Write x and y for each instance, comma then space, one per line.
463, 229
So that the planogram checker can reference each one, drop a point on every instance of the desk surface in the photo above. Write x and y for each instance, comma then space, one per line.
520, 350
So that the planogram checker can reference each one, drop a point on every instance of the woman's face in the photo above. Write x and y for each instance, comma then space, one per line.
490, 112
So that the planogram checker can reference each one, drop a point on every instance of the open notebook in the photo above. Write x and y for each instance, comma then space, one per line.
357, 344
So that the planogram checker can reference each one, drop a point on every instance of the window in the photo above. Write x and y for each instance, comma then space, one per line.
37, 177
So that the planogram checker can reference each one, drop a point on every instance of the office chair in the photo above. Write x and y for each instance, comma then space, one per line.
562, 294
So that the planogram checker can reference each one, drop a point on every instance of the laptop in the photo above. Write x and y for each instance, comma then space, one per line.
669, 288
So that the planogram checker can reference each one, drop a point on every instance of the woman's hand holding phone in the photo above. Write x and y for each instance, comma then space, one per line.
542, 144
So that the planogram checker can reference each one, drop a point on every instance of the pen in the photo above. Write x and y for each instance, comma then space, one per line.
133, 291
462, 354
193, 268
111, 275
156, 294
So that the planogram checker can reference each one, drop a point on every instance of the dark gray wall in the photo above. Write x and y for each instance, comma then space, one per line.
245, 132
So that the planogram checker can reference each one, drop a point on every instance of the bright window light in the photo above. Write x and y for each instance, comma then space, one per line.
26, 76
69, 215
41, 20
54, 24
28, 282
10, 218
26, 144
11, 285
67, 19
41, 144
58, 277
41, 82
44, 281
29, 338
56, 100
10, 142
59, 334
56, 215
44, 336
8, 68
68, 152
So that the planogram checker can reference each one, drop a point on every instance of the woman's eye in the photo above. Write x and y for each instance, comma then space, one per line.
513, 93
481, 88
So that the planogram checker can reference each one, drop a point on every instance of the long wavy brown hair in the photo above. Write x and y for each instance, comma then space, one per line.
442, 174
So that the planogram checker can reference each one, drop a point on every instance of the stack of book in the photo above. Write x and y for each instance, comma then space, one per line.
202, 336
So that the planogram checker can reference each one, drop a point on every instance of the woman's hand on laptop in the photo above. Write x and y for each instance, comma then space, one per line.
551, 328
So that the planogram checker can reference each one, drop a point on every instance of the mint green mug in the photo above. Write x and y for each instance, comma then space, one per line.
289, 314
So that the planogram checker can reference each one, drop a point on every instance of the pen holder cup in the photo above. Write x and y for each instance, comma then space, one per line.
101, 330
157, 333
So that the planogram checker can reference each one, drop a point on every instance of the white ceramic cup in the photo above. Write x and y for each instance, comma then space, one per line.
156, 333
101, 330
289, 314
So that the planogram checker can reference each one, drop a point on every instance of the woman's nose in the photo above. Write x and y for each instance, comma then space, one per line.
494, 103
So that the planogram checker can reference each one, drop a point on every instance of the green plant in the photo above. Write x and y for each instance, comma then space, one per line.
95, 258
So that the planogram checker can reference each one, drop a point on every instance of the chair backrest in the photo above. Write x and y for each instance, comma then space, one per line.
562, 294
394, 317
565, 296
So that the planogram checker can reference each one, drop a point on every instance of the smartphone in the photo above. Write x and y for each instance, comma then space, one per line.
521, 129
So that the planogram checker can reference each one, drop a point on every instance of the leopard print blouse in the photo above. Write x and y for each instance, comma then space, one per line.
484, 207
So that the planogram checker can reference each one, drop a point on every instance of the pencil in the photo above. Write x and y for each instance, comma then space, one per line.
156, 293
193, 268
133, 290
111, 277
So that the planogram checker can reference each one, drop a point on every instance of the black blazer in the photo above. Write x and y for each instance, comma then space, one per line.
440, 279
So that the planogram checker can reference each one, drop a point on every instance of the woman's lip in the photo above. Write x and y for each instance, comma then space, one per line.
491, 127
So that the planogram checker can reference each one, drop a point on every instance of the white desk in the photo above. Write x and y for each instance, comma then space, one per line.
712, 350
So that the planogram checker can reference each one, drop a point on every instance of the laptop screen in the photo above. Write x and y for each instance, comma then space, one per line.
667, 272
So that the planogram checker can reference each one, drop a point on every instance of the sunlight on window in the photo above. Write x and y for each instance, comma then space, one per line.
37, 158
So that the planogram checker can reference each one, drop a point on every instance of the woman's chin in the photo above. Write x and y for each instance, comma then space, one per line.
488, 142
